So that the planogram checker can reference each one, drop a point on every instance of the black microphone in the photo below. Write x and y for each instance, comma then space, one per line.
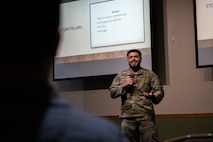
134, 80
131, 87
131, 75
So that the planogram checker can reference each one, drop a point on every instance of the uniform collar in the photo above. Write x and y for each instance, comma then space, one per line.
139, 72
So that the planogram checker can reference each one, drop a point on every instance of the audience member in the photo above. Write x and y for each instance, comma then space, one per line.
32, 110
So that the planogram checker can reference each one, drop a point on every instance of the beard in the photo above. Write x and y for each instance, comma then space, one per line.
135, 66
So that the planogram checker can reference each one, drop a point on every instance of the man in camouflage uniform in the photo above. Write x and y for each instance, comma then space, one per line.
139, 89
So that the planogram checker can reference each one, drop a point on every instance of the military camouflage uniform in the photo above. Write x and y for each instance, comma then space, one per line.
137, 111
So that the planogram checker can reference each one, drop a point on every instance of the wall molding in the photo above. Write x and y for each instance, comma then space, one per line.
184, 115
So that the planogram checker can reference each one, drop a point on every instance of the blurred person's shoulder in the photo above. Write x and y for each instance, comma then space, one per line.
66, 123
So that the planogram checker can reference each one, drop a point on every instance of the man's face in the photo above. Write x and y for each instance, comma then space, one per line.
134, 59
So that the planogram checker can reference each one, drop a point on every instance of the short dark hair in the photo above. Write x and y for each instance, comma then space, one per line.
134, 50
28, 29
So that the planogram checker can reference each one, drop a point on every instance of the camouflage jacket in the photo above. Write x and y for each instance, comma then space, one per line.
134, 103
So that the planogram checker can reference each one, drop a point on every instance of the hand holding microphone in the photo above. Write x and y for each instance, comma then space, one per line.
129, 82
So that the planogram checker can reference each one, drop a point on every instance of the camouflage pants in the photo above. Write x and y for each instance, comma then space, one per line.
141, 129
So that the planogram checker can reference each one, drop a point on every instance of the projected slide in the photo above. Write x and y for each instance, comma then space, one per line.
116, 22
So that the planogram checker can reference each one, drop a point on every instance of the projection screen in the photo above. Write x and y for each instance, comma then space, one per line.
96, 35
203, 10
